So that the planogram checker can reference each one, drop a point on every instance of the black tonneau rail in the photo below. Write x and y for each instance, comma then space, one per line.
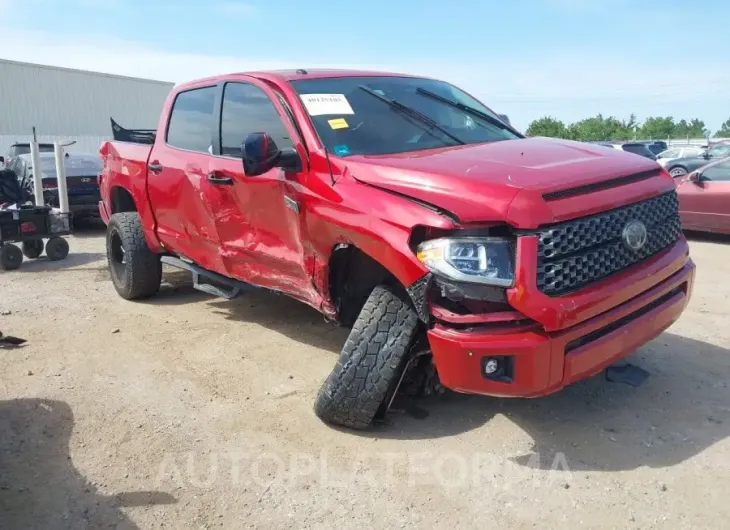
136, 136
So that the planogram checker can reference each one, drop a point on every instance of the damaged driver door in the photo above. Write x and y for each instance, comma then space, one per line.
259, 219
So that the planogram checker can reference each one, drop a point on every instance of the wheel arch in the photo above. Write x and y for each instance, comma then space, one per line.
121, 200
352, 273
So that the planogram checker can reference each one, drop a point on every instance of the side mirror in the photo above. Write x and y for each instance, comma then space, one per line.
261, 154
694, 177
706, 155
2, 159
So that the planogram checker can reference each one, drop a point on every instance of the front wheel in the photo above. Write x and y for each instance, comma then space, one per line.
372, 360
677, 172
135, 270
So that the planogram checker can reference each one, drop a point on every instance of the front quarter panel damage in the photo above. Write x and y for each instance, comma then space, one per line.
376, 222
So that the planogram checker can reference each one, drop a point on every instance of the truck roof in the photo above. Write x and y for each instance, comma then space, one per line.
295, 74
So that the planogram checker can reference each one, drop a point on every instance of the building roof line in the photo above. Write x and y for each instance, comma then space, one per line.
87, 72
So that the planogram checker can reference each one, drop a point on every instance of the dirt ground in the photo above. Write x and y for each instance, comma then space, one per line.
187, 411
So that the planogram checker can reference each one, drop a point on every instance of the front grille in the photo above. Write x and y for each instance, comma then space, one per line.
574, 254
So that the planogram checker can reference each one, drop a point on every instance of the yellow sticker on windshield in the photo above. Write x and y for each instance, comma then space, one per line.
338, 123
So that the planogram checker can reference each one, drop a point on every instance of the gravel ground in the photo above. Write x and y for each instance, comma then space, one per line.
187, 411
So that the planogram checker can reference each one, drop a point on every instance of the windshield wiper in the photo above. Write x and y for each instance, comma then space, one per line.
465, 108
392, 103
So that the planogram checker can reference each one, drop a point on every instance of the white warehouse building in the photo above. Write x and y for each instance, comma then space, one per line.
67, 104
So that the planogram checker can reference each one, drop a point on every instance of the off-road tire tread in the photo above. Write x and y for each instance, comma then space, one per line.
371, 360
143, 272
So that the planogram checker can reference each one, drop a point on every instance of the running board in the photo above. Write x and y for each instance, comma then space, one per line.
227, 288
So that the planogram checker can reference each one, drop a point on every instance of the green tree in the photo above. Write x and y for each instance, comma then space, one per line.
694, 129
547, 126
658, 128
724, 131
600, 128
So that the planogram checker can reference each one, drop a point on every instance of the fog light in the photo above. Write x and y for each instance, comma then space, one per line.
491, 366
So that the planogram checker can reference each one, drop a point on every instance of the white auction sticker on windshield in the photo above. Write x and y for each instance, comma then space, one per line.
319, 104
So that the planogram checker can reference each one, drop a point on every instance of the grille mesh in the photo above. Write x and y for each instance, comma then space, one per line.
574, 254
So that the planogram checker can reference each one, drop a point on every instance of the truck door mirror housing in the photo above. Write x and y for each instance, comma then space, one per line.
260, 154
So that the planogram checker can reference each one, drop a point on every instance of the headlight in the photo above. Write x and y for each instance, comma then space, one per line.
470, 259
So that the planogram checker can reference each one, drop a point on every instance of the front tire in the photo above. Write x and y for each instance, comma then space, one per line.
135, 270
371, 362
677, 172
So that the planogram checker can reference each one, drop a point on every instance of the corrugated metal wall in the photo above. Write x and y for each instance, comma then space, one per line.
73, 104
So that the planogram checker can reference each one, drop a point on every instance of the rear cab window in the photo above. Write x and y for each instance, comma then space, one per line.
191, 120
352, 121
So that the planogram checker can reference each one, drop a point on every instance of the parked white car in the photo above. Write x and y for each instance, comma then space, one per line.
679, 152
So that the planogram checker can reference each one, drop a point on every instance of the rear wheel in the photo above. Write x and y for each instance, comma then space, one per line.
57, 249
10, 257
33, 249
372, 361
135, 270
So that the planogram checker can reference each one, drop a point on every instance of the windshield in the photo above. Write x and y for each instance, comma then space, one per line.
719, 151
352, 120
639, 149
75, 167
24, 149
656, 148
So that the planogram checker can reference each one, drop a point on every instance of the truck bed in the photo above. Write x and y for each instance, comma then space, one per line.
125, 165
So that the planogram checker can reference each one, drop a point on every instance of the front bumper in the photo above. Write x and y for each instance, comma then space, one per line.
542, 362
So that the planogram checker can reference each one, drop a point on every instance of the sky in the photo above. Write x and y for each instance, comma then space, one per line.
569, 59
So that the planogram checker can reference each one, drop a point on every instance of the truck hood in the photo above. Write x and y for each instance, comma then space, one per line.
479, 183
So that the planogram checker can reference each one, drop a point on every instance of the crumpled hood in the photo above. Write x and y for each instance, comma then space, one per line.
478, 183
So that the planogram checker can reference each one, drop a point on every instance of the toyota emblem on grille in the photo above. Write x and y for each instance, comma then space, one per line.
85, 179
634, 235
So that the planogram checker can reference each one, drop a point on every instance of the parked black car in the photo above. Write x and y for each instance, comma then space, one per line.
655, 146
82, 171
638, 148
681, 166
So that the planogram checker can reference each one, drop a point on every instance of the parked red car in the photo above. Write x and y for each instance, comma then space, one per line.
407, 210
704, 198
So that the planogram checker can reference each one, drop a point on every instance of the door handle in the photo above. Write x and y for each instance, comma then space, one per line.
215, 178
155, 167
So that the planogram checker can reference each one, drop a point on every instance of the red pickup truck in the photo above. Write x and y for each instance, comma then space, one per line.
407, 210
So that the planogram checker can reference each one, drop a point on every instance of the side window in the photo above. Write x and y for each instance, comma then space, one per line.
247, 109
191, 120
718, 173
672, 153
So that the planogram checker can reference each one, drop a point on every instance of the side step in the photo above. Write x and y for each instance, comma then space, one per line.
222, 286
